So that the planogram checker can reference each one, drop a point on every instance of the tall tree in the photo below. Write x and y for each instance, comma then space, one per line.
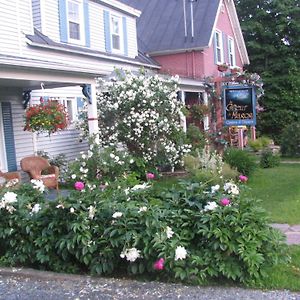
271, 30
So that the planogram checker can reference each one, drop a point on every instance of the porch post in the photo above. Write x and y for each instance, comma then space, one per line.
182, 116
92, 112
206, 118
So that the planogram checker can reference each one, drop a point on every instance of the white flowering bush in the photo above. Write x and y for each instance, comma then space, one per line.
192, 231
142, 113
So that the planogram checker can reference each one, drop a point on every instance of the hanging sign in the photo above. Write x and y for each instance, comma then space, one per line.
239, 103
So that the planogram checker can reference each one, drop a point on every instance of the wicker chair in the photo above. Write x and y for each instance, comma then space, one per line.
10, 177
35, 165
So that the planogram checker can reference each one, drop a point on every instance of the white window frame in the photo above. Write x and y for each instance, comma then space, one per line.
231, 52
3, 161
218, 38
81, 40
119, 17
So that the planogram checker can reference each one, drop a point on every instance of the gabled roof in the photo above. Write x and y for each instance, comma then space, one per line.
42, 41
161, 26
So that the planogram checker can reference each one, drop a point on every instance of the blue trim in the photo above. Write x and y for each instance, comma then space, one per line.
86, 23
125, 36
10, 148
63, 26
106, 17
240, 121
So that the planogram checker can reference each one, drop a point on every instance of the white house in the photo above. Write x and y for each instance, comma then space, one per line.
58, 44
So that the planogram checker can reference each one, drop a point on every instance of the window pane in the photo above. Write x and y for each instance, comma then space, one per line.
219, 56
74, 30
115, 25
73, 11
116, 42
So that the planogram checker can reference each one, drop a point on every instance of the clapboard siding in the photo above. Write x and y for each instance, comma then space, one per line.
132, 37
96, 27
15, 22
36, 14
51, 16
66, 142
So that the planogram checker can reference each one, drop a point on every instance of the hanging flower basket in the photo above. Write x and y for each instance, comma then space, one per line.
48, 117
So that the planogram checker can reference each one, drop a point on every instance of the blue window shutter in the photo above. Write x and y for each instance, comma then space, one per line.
9, 137
225, 47
107, 35
125, 36
86, 23
215, 49
63, 26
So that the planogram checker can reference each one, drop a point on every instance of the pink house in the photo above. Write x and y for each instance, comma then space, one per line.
192, 38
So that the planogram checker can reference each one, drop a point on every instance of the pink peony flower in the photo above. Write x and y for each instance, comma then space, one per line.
243, 178
150, 176
79, 185
159, 264
225, 202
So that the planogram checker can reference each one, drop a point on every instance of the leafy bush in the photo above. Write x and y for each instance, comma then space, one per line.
191, 231
241, 160
228, 172
260, 143
268, 159
290, 140
195, 137
142, 113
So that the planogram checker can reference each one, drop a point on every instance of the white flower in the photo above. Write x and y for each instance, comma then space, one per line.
36, 208
143, 208
117, 214
169, 232
72, 210
131, 161
9, 197
38, 185
215, 188
73, 176
231, 188
180, 253
60, 206
131, 254
92, 211
111, 155
140, 187
210, 206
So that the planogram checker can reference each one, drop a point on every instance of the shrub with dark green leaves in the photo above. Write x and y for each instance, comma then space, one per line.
268, 159
191, 232
290, 140
241, 160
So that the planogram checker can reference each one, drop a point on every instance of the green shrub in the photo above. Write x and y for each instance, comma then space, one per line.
229, 173
268, 159
241, 160
195, 137
128, 228
260, 143
290, 140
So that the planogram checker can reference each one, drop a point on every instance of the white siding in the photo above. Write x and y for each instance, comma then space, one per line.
132, 37
96, 27
50, 14
36, 14
15, 21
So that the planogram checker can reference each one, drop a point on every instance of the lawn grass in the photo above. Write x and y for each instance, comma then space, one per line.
285, 276
279, 190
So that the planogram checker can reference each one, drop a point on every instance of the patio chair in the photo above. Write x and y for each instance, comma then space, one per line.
39, 168
9, 178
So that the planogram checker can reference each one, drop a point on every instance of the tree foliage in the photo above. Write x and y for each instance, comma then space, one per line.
271, 30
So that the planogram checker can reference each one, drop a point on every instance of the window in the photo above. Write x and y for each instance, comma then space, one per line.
75, 21
231, 52
116, 37
218, 47
3, 166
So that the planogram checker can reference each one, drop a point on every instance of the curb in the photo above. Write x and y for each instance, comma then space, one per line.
43, 275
